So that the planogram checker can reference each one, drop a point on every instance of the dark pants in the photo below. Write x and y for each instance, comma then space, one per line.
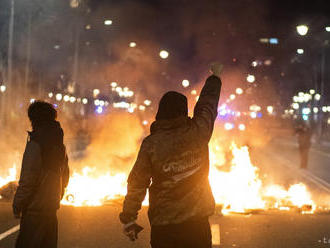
190, 234
303, 157
38, 231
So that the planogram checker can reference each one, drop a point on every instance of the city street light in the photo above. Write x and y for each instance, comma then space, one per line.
295, 105
66, 98
302, 30
3, 88
317, 97
327, 28
132, 44
108, 22
58, 96
185, 83
239, 91
270, 109
300, 51
163, 54
147, 102
232, 97
84, 100
250, 78
96, 92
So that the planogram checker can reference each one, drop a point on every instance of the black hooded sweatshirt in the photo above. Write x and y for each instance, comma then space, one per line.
45, 171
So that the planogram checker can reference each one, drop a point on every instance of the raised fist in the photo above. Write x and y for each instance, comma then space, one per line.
216, 68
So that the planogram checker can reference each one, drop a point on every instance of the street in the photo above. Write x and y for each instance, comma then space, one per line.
100, 226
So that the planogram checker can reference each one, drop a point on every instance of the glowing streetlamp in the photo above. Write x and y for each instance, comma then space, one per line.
306, 111
327, 28
147, 102
194, 92
66, 98
239, 91
3, 88
300, 51
185, 83
58, 96
163, 54
96, 92
73, 99
132, 44
241, 127
302, 30
317, 97
84, 100
295, 105
270, 109
107, 22
250, 78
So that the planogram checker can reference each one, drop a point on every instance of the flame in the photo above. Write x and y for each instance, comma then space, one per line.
239, 189
85, 189
10, 178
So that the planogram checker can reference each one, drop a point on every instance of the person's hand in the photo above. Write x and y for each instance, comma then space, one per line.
216, 68
131, 230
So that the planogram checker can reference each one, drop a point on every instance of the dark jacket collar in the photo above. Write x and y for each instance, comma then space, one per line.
162, 125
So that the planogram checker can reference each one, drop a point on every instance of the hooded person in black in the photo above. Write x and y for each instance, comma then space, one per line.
44, 177
173, 164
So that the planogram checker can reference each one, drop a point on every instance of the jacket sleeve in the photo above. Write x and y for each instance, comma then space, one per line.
138, 182
65, 175
29, 178
206, 109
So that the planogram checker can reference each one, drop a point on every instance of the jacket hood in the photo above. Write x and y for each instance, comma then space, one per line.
172, 105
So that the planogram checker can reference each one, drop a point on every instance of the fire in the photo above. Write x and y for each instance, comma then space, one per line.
239, 189
10, 178
85, 189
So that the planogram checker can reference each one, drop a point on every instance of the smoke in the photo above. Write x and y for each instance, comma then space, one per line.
115, 140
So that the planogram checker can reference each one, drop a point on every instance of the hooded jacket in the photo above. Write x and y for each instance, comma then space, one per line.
173, 163
45, 171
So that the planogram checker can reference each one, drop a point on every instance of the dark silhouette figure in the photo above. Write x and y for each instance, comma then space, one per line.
175, 158
44, 176
304, 133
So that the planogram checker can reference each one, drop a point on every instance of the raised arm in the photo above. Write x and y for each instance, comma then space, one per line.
206, 109
138, 182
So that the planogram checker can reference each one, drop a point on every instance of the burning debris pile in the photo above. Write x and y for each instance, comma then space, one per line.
8, 184
238, 189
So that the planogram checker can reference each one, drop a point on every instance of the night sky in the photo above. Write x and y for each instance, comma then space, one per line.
195, 32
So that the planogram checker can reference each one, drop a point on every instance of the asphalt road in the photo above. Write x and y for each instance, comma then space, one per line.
99, 226
89, 227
